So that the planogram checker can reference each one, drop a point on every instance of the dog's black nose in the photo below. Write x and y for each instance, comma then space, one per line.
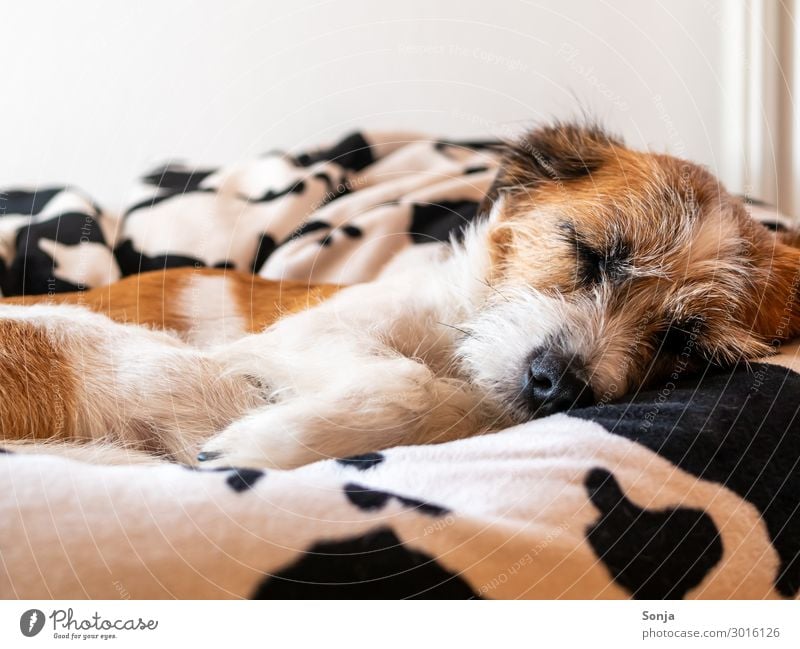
552, 383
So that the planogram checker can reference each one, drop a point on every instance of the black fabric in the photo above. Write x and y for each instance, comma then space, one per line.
31, 271
369, 499
375, 565
437, 221
269, 195
244, 479
267, 245
363, 462
132, 261
176, 178
353, 153
654, 554
738, 428
18, 201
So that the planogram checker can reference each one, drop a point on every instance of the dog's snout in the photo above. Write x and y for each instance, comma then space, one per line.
552, 383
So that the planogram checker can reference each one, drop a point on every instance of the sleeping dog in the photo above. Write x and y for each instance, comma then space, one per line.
593, 271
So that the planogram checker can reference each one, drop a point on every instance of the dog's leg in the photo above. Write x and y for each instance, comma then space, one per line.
371, 367
388, 402
339, 390
72, 376
104, 451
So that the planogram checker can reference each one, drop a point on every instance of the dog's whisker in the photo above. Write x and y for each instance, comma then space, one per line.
492, 287
463, 331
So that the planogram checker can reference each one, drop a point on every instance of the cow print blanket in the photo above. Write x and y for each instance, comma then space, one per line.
690, 490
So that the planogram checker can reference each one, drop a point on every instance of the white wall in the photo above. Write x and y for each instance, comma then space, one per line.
95, 91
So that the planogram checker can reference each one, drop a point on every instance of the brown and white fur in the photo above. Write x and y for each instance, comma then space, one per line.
610, 267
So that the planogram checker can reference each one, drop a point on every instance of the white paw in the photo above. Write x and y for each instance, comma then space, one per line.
260, 440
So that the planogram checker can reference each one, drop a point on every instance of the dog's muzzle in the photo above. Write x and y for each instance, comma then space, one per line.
552, 383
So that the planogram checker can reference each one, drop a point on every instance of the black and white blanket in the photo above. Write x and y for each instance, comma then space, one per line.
691, 491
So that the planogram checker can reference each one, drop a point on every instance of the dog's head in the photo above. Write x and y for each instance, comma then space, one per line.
614, 269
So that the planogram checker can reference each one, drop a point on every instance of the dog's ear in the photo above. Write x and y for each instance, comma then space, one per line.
550, 154
777, 316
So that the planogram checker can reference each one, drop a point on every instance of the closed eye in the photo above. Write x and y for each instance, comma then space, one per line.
594, 265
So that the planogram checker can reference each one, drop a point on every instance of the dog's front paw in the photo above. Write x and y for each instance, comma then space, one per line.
260, 440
